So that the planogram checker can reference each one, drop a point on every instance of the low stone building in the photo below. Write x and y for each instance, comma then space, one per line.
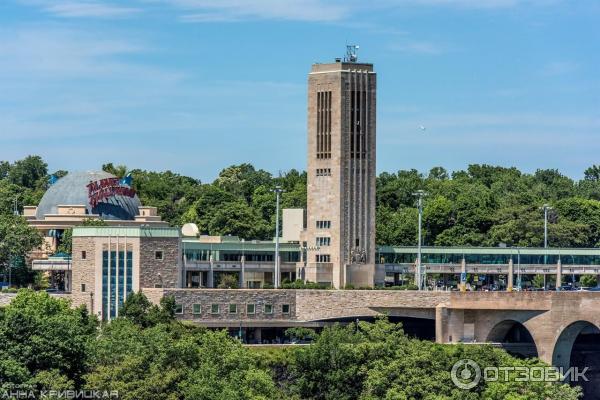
111, 262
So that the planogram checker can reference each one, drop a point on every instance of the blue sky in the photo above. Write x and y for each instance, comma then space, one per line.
197, 85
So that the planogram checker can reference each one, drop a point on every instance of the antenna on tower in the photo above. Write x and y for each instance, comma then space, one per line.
351, 53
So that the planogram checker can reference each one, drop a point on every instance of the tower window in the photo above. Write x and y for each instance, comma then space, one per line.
322, 258
323, 224
324, 125
323, 241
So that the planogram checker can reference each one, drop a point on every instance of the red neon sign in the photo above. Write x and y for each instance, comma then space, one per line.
103, 189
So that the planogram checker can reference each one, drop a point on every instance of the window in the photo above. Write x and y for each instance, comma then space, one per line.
83, 255
178, 308
158, 255
157, 285
268, 308
233, 309
83, 287
323, 241
323, 258
323, 171
196, 309
285, 308
214, 308
323, 224
323, 125
250, 308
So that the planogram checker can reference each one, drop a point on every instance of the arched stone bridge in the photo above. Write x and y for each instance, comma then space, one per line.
543, 324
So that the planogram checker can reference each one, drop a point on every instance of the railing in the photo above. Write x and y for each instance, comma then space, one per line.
237, 266
51, 265
500, 269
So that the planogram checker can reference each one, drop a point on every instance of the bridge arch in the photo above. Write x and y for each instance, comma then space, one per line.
578, 345
514, 337
577, 331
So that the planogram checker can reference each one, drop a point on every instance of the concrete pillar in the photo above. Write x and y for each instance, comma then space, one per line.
211, 274
463, 272
242, 273
511, 275
558, 274
258, 335
441, 323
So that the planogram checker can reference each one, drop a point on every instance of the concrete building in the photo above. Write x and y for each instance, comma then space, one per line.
340, 230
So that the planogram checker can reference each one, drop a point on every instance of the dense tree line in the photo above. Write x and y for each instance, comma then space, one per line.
481, 206
489, 206
146, 354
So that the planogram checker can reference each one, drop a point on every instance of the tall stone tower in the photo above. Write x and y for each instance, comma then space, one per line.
340, 233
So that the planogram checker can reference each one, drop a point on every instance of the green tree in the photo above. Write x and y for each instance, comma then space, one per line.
170, 361
28, 172
229, 281
139, 310
117, 170
42, 336
17, 239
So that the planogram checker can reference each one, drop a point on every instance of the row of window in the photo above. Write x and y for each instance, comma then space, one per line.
204, 255
323, 171
323, 224
215, 309
324, 125
322, 258
323, 241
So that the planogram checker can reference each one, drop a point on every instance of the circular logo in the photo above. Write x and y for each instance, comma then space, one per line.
465, 374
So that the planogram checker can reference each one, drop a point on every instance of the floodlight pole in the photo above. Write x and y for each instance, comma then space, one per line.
278, 190
420, 194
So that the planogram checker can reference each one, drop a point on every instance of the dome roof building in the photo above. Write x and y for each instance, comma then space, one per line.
72, 190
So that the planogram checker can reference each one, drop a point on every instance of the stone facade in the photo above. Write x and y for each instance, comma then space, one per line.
206, 298
84, 272
159, 272
341, 173
331, 304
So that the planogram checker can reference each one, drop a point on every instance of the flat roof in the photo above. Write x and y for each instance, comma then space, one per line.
488, 250
130, 231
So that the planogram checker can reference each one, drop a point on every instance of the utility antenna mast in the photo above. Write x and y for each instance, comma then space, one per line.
351, 53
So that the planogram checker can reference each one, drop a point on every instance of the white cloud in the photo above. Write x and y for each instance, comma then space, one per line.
559, 68
477, 4
235, 10
82, 8
71, 9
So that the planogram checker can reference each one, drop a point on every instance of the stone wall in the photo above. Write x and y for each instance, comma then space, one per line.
241, 297
6, 298
305, 306
84, 272
155, 272
329, 304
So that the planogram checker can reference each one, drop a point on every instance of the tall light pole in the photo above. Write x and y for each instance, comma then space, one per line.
420, 194
278, 190
546, 208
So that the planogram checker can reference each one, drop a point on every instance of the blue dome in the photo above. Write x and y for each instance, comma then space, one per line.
72, 190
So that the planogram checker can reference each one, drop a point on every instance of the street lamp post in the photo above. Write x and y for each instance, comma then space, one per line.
546, 208
278, 190
420, 194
